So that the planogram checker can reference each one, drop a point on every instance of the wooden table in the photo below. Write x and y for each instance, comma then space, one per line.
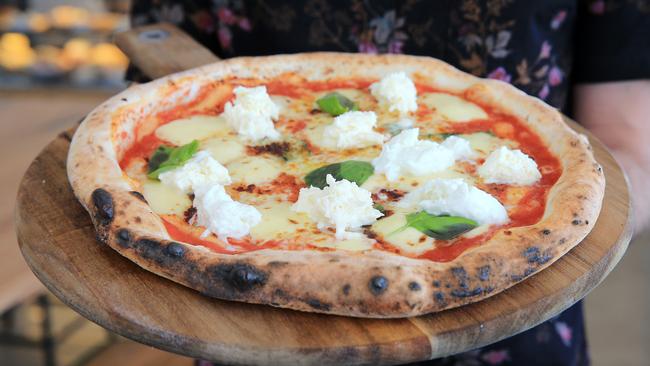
56, 237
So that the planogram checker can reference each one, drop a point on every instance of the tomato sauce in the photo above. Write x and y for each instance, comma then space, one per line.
498, 123
141, 149
176, 232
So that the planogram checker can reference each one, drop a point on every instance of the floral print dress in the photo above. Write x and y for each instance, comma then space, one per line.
541, 47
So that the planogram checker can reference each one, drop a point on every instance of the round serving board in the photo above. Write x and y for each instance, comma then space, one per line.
58, 242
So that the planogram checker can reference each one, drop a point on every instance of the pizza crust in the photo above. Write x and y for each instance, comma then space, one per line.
374, 284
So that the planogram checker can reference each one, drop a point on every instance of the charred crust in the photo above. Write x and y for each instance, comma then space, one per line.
529, 271
534, 255
462, 293
546, 232
318, 305
346, 289
414, 286
436, 283
440, 298
104, 209
576, 222
240, 277
150, 249
461, 276
176, 250
378, 284
484, 273
280, 294
123, 237
139, 196
277, 264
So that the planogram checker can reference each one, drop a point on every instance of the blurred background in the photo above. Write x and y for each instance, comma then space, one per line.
56, 63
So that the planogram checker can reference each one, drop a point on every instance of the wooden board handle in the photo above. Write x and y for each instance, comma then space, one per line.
162, 49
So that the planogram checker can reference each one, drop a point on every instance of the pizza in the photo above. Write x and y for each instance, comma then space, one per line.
359, 185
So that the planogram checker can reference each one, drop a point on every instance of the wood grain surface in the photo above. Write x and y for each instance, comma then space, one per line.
58, 242
56, 237
162, 49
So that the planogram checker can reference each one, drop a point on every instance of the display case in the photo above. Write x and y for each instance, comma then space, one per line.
56, 44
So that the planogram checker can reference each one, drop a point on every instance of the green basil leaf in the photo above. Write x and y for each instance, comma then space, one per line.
352, 170
438, 227
159, 156
167, 158
379, 207
336, 104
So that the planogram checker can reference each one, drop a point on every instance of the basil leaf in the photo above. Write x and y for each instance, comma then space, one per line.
167, 158
445, 135
380, 208
352, 170
336, 104
438, 227
159, 156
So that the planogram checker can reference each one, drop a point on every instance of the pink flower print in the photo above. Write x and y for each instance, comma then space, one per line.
395, 46
565, 332
245, 24
558, 19
545, 51
597, 7
367, 47
495, 357
226, 16
544, 92
225, 37
555, 76
204, 21
500, 74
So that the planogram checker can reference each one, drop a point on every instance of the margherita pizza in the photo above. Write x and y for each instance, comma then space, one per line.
371, 186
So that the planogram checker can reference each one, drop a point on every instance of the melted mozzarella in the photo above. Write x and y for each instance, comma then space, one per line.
255, 169
185, 130
408, 240
224, 150
482, 142
278, 221
165, 200
352, 244
452, 108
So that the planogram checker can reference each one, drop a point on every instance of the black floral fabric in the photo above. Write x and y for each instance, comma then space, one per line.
541, 47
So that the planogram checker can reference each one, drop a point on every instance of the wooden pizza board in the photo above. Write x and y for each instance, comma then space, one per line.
58, 242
